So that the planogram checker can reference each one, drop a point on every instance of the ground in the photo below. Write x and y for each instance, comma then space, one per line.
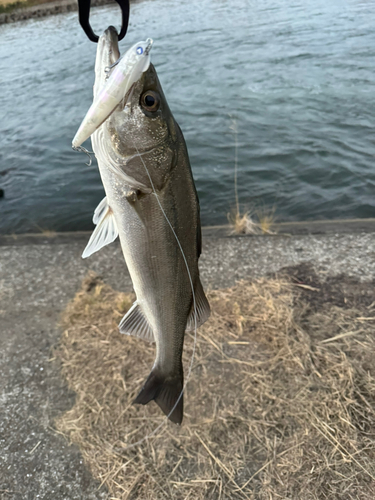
39, 275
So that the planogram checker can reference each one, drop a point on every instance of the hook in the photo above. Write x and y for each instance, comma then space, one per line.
81, 149
84, 15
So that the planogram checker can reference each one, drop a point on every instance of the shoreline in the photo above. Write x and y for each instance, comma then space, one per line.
46, 9
280, 229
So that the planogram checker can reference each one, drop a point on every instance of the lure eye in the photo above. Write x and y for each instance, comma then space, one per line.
139, 50
150, 101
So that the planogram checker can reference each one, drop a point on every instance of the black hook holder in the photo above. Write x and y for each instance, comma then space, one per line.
84, 7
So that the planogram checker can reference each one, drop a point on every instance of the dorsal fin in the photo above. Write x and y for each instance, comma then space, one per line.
135, 323
106, 229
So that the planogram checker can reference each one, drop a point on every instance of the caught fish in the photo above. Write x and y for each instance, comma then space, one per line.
152, 205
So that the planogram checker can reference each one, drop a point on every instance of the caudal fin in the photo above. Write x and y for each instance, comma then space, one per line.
165, 391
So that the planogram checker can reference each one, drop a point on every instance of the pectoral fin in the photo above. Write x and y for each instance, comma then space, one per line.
135, 323
100, 210
106, 229
202, 308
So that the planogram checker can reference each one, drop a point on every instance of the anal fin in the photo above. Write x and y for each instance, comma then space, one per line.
135, 323
202, 308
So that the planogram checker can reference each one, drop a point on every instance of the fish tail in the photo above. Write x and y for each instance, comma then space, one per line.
165, 391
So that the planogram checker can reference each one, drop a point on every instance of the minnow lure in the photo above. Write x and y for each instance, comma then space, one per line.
126, 72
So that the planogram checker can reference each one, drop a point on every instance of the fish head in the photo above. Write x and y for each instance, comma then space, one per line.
141, 130
114, 79
107, 54
144, 121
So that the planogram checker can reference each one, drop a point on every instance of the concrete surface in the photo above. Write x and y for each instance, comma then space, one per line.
40, 274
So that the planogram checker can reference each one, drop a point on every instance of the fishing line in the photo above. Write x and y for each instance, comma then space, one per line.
133, 445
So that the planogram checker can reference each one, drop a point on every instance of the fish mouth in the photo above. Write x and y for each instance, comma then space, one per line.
107, 55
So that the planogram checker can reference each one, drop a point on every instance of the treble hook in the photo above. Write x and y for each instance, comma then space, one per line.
84, 15
81, 149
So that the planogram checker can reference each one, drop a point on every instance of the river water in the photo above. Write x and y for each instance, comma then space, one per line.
295, 78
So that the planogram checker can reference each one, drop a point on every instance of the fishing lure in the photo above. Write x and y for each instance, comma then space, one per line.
127, 70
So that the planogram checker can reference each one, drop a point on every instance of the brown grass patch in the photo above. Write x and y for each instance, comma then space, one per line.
280, 403
252, 222
7, 2
7, 6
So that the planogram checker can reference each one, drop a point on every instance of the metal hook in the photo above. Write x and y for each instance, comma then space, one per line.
107, 69
84, 15
81, 149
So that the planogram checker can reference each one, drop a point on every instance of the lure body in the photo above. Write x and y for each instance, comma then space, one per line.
126, 72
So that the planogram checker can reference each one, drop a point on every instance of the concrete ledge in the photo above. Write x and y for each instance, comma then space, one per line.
344, 226
340, 226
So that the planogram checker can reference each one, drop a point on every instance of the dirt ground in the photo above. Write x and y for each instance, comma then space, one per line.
280, 404
40, 275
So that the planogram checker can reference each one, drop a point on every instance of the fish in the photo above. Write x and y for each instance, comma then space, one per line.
152, 205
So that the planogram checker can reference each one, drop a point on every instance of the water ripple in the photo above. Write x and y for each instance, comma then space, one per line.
298, 78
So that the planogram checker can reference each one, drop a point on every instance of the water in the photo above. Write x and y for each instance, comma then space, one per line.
297, 77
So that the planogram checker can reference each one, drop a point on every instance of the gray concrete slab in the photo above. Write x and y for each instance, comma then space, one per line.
40, 274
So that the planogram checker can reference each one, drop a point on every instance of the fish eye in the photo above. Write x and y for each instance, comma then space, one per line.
150, 101
139, 50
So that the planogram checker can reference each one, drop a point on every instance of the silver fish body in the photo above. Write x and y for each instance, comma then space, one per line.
145, 169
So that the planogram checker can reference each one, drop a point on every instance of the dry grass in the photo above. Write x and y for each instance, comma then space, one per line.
266, 220
48, 233
243, 223
252, 222
280, 404
9, 5
23, 2
7, 2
